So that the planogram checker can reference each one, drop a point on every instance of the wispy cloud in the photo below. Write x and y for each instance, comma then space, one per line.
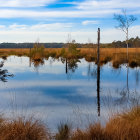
30, 35
96, 4
10, 13
87, 22
25, 3
37, 27
85, 9
54, 19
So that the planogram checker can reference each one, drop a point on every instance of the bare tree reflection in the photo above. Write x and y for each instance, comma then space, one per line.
4, 73
71, 64
129, 97
137, 76
129, 101
92, 71
127, 81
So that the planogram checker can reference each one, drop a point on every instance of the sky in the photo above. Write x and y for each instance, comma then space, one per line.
54, 20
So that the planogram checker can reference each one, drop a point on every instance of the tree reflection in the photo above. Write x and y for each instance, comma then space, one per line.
129, 97
37, 63
92, 71
137, 76
71, 64
4, 73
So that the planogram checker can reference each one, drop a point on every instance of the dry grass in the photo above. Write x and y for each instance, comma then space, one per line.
21, 129
124, 126
117, 56
64, 131
94, 132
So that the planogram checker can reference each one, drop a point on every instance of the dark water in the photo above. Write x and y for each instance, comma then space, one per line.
79, 92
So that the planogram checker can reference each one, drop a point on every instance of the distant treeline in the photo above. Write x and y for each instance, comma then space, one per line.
30, 45
133, 43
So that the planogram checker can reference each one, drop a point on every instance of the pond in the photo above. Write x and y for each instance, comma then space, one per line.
78, 92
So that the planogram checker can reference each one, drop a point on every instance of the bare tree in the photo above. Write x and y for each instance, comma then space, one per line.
125, 21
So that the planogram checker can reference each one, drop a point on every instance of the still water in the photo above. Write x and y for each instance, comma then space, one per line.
78, 93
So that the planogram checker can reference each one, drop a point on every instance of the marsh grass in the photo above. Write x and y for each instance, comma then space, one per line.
22, 129
122, 126
93, 132
64, 132
117, 56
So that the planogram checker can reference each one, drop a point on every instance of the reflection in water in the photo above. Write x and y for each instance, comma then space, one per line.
92, 72
130, 98
127, 81
137, 76
53, 96
98, 89
66, 66
4, 73
98, 72
36, 62
71, 65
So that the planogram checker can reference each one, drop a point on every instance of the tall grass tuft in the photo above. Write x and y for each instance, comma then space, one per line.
21, 129
125, 126
94, 132
64, 131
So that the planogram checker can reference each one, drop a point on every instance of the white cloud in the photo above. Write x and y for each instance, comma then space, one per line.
2, 26
38, 27
87, 22
30, 34
106, 4
86, 9
25, 3
16, 27
53, 26
10, 13
45, 36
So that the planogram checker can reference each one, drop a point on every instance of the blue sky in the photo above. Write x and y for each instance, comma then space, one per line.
53, 20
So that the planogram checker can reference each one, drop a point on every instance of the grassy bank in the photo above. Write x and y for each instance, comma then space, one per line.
117, 56
122, 126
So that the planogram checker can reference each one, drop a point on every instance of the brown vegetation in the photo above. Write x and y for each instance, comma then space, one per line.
122, 126
21, 129
117, 56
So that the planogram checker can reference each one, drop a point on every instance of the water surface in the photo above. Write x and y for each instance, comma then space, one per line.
79, 92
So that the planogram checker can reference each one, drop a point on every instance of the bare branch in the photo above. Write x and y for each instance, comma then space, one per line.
124, 21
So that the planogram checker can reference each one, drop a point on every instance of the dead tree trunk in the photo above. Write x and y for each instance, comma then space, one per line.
98, 73
98, 49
